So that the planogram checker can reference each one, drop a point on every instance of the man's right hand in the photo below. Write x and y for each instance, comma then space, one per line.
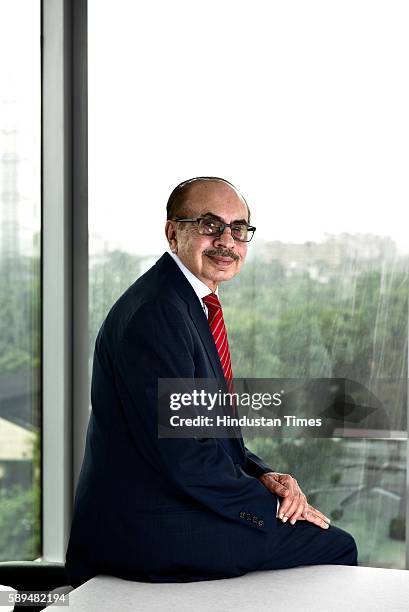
293, 505
312, 515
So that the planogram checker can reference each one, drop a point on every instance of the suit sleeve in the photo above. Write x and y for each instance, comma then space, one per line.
254, 465
157, 343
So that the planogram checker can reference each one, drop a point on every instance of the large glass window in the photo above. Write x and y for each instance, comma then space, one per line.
303, 107
20, 312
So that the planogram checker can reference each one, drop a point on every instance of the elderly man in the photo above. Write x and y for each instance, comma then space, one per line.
162, 509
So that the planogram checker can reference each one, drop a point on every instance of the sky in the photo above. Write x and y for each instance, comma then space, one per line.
302, 105
20, 108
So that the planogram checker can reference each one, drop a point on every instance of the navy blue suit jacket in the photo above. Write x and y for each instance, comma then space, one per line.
154, 508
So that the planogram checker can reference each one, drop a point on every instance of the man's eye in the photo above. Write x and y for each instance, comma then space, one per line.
211, 225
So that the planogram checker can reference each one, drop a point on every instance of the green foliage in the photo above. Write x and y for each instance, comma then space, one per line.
20, 314
302, 457
336, 478
108, 279
397, 528
19, 524
352, 326
20, 516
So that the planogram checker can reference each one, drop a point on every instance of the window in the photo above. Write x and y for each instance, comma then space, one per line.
20, 280
312, 131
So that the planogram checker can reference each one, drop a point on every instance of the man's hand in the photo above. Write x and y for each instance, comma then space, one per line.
294, 502
294, 505
315, 516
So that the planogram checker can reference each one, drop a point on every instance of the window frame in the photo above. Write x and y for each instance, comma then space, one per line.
64, 264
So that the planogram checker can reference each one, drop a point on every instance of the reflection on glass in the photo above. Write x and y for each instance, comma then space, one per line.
359, 484
20, 311
337, 309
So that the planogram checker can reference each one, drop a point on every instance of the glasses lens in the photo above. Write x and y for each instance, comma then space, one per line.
213, 227
210, 227
240, 232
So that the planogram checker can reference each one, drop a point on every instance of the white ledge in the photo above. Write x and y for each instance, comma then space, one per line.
320, 588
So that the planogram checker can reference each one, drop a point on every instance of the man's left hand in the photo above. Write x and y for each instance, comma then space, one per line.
293, 503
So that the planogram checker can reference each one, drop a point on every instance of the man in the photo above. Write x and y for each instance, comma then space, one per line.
183, 509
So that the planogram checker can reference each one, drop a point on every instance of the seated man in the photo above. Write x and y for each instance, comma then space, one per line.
168, 510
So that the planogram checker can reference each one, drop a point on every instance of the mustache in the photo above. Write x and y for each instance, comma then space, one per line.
220, 252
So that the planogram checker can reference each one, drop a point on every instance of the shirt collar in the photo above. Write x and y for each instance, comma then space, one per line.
199, 286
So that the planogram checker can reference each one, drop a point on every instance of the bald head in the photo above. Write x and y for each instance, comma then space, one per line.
200, 188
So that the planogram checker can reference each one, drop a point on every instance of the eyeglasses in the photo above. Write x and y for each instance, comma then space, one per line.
242, 232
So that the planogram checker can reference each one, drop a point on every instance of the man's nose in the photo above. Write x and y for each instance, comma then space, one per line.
225, 239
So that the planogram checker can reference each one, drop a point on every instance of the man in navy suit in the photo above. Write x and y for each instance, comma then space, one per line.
158, 509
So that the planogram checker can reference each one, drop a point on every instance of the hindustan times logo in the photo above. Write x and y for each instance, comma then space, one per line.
244, 421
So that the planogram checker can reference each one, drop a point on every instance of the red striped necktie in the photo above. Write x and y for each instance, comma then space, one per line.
218, 329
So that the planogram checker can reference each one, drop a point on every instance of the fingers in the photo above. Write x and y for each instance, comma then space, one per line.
302, 507
318, 513
316, 517
294, 505
304, 512
290, 505
278, 489
287, 481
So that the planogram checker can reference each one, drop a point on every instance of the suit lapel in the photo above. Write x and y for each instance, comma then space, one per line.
196, 312
195, 309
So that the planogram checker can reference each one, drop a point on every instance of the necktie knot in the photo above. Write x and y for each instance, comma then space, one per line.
212, 302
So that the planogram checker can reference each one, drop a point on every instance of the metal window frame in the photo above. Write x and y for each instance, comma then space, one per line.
64, 263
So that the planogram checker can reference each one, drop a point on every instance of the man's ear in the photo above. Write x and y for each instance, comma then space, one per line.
170, 232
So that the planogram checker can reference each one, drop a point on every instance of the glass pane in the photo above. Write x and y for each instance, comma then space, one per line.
313, 132
20, 288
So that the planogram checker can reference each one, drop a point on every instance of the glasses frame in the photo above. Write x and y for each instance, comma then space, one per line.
217, 235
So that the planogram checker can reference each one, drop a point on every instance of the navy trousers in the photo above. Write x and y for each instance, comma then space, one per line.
199, 546
307, 544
